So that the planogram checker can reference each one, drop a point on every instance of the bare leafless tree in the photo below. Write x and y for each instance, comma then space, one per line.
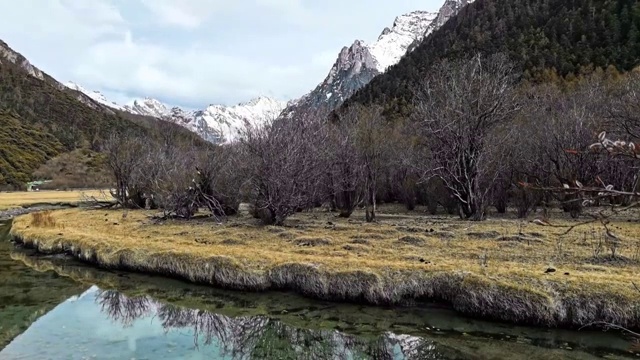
282, 167
345, 166
373, 148
463, 109
129, 157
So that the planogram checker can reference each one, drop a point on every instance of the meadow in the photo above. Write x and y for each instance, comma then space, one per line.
29, 198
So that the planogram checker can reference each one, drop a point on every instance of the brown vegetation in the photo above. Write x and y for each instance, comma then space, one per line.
78, 169
43, 219
27, 198
528, 274
473, 139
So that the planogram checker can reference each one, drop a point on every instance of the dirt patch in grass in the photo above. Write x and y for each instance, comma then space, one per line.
492, 234
517, 238
233, 242
412, 240
442, 234
368, 237
510, 283
359, 240
311, 241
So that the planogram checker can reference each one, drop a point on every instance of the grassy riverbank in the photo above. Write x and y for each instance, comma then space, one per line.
449, 334
23, 198
495, 269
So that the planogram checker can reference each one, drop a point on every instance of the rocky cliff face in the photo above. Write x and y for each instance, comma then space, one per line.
8, 54
353, 69
393, 43
449, 9
358, 64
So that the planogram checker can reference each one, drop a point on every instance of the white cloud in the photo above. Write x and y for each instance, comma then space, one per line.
293, 10
189, 75
78, 20
187, 52
189, 14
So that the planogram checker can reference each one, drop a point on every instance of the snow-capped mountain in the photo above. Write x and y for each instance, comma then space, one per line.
227, 122
392, 43
95, 95
358, 64
216, 123
148, 107
449, 9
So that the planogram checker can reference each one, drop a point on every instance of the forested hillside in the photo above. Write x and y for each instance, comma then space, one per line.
543, 37
40, 118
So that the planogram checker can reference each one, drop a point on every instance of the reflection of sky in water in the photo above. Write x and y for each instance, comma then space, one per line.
109, 325
77, 329
258, 326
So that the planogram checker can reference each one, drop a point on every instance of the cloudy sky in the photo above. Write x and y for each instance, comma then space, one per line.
194, 52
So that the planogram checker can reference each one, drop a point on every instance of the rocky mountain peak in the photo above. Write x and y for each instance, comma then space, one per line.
353, 59
449, 9
147, 106
384, 32
393, 43
12, 56
357, 64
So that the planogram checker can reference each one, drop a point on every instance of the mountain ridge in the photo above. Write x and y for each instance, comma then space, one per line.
359, 63
545, 39
215, 123
40, 118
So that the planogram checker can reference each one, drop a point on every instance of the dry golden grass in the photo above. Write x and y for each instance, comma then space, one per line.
19, 198
43, 219
495, 268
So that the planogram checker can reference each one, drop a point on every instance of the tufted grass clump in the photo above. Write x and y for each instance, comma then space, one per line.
43, 219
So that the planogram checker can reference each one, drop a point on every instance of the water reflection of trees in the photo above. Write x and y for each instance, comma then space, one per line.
259, 337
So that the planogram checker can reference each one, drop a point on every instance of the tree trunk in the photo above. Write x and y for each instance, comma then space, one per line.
501, 206
371, 206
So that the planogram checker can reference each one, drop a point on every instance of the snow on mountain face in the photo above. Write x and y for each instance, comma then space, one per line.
147, 107
357, 65
216, 123
95, 95
7, 54
449, 9
392, 44
227, 122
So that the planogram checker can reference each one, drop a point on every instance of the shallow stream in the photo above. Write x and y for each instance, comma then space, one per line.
54, 307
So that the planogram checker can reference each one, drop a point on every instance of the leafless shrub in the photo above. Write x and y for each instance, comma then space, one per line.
128, 158
373, 148
282, 170
463, 109
346, 170
173, 174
